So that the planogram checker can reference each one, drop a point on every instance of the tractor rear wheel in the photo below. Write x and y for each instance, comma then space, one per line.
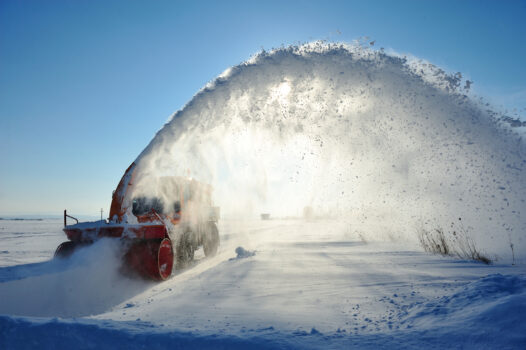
65, 249
185, 249
211, 240
151, 258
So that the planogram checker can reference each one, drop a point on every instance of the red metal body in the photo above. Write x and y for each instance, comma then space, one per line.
150, 251
140, 231
149, 248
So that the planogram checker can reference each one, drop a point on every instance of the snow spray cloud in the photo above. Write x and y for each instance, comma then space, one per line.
350, 132
87, 283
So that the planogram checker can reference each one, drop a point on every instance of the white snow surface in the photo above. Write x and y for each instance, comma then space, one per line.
374, 148
309, 285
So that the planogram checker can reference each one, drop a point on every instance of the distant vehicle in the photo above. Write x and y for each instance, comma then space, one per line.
160, 228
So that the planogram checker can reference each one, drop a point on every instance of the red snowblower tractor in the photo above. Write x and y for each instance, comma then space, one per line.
160, 227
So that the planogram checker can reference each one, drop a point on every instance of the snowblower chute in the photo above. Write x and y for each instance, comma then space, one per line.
159, 228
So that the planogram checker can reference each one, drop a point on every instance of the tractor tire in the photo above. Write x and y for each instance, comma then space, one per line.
185, 250
211, 240
65, 249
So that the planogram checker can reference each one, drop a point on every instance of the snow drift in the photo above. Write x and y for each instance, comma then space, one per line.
386, 144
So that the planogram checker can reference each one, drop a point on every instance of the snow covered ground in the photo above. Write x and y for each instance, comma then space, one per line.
308, 285
391, 144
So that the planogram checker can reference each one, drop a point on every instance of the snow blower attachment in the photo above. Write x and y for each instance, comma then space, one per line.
159, 229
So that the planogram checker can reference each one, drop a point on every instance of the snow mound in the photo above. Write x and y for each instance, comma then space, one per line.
243, 253
494, 302
61, 334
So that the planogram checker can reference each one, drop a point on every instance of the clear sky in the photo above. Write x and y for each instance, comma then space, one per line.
84, 85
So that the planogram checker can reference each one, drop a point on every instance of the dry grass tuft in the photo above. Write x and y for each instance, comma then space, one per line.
455, 242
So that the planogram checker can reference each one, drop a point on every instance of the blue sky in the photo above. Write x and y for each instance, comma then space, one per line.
84, 85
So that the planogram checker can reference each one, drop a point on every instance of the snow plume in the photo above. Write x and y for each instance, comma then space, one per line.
353, 133
87, 283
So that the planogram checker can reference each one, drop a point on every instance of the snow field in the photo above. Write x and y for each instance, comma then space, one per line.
375, 147
309, 285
